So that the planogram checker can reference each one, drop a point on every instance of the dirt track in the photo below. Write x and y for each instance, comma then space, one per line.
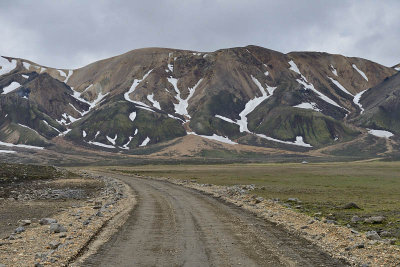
176, 226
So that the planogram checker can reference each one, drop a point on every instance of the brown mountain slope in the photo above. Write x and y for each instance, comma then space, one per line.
251, 95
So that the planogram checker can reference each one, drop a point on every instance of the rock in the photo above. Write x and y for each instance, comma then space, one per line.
53, 244
57, 228
350, 205
385, 234
86, 222
293, 199
372, 235
62, 235
359, 246
258, 200
24, 222
47, 221
11, 237
99, 214
375, 219
304, 227
311, 221
355, 219
2, 265
330, 221
41, 256
19, 230
354, 232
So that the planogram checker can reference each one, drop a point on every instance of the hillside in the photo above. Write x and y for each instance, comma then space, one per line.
247, 95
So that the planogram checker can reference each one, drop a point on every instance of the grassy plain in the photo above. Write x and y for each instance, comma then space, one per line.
322, 187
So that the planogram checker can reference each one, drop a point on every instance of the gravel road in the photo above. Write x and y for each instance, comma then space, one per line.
175, 226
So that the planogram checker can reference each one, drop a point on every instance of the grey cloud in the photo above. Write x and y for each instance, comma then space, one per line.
77, 32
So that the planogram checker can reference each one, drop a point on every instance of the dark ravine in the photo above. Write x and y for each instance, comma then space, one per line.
176, 226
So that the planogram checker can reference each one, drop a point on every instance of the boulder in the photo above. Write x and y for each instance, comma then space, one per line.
24, 222
372, 235
19, 230
47, 221
57, 228
355, 219
375, 219
54, 244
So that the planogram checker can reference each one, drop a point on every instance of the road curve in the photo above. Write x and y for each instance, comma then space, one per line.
176, 226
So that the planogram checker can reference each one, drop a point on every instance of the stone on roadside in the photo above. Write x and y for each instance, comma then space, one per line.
53, 244
293, 199
355, 219
375, 219
372, 235
385, 234
19, 230
47, 221
24, 222
57, 228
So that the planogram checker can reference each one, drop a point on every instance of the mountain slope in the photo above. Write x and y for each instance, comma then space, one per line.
382, 106
248, 95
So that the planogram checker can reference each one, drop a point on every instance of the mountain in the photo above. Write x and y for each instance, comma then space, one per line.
381, 106
247, 95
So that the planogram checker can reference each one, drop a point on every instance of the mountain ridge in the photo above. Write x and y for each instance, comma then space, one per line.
249, 95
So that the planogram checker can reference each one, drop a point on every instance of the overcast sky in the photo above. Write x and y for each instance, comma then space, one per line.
71, 34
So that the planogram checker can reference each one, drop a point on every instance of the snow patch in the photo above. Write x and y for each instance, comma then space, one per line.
398, 68
45, 122
299, 141
175, 118
380, 133
252, 104
145, 108
112, 140
92, 104
97, 134
145, 141
125, 146
10, 88
26, 65
225, 119
62, 73
25, 76
333, 70
20, 145
70, 72
357, 99
181, 107
84, 134
7, 66
340, 86
155, 103
311, 105
136, 131
215, 137
294, 67
267, 72
133, 87
303, 81
361, 72
100, 144
7, 151
132, 116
